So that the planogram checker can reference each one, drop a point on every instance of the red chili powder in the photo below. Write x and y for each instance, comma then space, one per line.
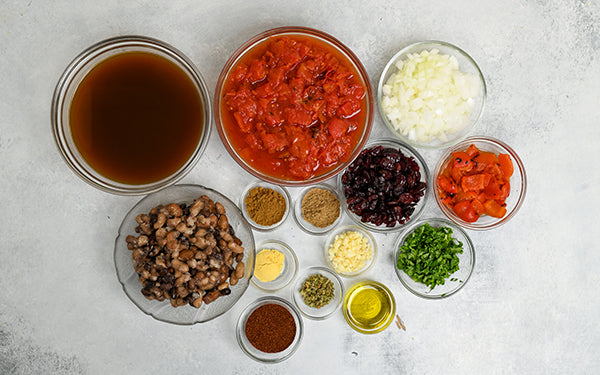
271, 328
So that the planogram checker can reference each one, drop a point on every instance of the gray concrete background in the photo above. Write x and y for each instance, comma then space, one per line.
531, 305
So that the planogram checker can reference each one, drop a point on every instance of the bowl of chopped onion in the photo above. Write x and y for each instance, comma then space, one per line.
431, 94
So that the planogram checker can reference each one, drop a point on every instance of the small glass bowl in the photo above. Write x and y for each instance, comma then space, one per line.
253, 46
466, 262
325, 311
309, 227
259, 355
518, 182
407, 151
342, 230
383, 311
280, 189
466, 65
69, 83
288, 272
162, 310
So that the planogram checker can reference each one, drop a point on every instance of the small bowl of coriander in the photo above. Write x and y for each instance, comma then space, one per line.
434, 258
318, 293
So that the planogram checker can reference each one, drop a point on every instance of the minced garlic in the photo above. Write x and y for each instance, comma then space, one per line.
350, 252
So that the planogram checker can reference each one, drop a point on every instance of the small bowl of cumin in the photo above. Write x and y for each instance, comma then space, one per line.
265, 205
318, 209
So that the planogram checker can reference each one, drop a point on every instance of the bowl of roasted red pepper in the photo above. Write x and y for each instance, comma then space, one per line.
480, 183
293, 106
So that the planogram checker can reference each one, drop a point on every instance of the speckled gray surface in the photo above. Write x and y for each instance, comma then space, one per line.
532, 303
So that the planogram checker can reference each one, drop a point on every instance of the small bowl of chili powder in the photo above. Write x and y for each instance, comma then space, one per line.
293, 106
269, 330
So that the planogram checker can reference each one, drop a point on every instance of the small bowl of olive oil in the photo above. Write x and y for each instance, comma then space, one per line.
369, 307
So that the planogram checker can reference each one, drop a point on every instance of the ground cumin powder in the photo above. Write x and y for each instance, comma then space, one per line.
320, 207
265, 206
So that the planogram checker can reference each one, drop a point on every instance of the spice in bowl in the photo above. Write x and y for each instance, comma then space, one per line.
270, 328
350, 252
265, 206
317, 291
268, 265
320, 207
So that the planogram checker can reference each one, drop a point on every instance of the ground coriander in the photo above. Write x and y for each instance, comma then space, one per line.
320, 207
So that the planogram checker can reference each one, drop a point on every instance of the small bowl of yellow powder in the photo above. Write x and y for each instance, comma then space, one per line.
350, 250
318, 209
265, 205
275, 265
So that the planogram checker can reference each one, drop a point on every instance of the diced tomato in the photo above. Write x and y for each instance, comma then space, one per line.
337, 127
465, 211
294, 106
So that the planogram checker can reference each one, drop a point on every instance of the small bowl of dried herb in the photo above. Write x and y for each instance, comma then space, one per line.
318, 209
265, 205
318, 293
434, 258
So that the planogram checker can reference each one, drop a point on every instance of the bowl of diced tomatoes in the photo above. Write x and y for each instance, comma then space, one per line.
480, 183
293, 106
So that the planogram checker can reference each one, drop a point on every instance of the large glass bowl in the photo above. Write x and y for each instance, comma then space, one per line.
249, 48
407, 151
466, 65
454, 282
185, 315
68, 84
518, 182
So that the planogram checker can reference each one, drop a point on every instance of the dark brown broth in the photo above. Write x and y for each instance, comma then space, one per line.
136, 118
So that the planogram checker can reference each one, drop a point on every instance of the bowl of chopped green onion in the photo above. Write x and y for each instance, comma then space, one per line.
318, 293
434, 258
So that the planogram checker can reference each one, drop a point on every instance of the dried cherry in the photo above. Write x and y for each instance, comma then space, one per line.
383, 186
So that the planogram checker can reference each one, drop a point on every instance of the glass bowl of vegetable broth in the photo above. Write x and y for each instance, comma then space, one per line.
113, 106
436, 258
494, 178
431, 94
293, 106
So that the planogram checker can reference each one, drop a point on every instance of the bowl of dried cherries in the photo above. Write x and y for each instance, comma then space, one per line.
386, 186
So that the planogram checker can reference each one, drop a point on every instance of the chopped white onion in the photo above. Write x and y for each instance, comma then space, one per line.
429, 97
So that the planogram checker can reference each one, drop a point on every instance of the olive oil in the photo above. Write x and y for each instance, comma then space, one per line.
369, 307
136, 118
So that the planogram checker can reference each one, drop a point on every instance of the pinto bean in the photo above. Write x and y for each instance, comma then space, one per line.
184, 255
